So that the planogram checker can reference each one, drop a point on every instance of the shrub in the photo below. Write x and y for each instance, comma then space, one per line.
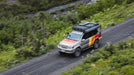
94, 58
3, 0
114, 73
122, 45
50, 46
62, 9
53, 12
103, 54
73, 18
110, 24
127, 70
110, 48
76, 71
101, 5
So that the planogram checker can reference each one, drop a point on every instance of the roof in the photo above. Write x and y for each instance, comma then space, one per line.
86, 27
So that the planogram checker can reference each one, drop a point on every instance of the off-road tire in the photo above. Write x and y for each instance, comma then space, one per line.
77, 52
96, 44
61, 53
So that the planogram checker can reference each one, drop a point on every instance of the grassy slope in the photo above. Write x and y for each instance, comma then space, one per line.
11, 27
110, 60
3, 0
115, 15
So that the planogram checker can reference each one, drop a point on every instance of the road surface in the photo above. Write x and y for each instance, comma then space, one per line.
53, 64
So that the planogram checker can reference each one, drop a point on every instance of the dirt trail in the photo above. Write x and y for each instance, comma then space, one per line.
11, 1
55, 9
58, 8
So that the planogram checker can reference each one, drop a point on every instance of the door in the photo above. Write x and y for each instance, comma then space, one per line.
85, 40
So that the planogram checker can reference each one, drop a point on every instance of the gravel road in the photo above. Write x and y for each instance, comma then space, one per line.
53, 64
55, 9
11, 1
58, 8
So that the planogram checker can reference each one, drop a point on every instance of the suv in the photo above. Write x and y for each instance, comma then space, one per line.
83, 36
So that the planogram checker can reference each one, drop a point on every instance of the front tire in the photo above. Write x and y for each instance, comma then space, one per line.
61, 53
77, 52
96, 44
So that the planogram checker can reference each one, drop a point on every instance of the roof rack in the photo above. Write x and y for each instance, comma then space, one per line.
86, 27
84, 23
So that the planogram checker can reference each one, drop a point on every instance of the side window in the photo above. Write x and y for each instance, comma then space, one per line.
94, 32
87, 35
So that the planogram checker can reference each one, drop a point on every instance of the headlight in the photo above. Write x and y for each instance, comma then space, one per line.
59, 45
69, 47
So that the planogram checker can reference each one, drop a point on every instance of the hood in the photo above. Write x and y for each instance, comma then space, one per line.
68, 42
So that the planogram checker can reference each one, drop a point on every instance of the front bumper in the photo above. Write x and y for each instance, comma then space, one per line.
69, 51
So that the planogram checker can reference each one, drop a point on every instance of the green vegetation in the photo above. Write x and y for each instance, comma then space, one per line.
100, 6
110, 60
23, 38
29, 6
3, 0
109, 17
37, 5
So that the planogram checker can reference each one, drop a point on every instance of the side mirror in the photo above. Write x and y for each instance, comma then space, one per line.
67, 33
83, 40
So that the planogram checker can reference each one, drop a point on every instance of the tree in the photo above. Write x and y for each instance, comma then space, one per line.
41, 18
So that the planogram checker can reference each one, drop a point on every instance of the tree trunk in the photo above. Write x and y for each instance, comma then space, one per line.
42, 31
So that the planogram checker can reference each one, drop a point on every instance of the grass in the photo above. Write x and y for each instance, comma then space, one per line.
114, 15
109, 60
3, 0
5, 59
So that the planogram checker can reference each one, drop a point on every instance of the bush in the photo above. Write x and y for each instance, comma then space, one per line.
114, 73
94, 58
110, 24
110, 48
100, 6
73, 18
3, 0
76, 71
122, 45
50, 46
127, 70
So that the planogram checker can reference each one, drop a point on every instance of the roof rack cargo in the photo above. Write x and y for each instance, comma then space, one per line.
86, 27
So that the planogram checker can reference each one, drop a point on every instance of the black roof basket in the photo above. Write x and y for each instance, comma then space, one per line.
86, 27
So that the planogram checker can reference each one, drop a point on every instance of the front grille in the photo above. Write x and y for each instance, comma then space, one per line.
64, 46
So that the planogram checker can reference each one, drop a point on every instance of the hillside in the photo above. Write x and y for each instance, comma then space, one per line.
23, 38
108, 18
110, 60
3, 0
21, 7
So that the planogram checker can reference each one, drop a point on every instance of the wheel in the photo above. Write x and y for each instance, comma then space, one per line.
77, 52
61, 53
96, 44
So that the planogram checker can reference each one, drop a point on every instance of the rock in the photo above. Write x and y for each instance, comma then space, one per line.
132, 14
111, 24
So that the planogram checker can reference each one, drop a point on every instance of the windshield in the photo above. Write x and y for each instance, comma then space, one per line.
74, 36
